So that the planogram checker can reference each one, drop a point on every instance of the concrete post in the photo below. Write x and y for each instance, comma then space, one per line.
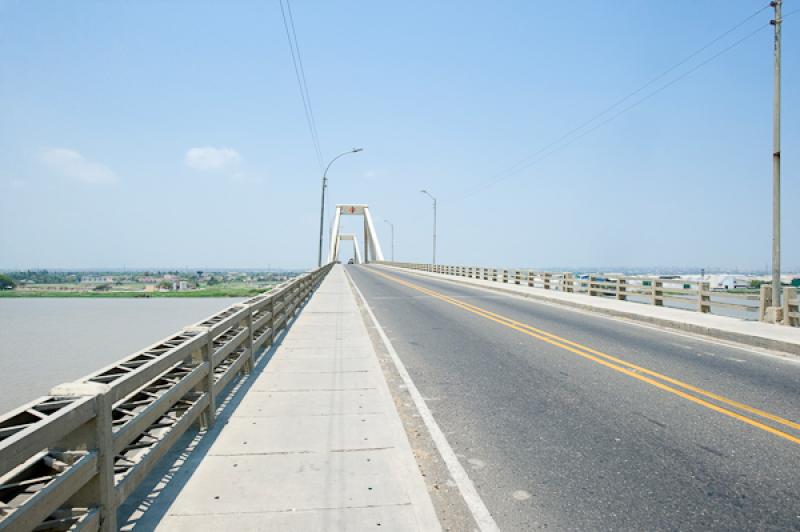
206, 354
590, 286
271, 307
703, 297
568, 281
531, 278
764, 301
251, 362
657, 293
790, 307
505, 276
546, 280
621, 289
96, 436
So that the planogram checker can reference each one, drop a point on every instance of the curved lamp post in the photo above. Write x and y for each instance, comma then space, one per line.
322, 205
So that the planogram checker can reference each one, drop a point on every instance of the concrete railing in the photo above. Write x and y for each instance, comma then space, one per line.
70, 458
791, 307
677, 293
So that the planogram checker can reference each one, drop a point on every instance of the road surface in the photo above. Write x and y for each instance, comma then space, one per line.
572, 421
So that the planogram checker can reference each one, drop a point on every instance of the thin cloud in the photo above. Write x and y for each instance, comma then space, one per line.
73, 165
373, 174
211, 158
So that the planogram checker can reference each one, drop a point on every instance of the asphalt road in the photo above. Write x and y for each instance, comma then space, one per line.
572, 436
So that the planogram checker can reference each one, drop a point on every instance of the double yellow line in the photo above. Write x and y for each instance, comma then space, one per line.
640, 373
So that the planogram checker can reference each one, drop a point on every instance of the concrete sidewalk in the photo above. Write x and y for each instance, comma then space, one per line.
753, 333
315, 444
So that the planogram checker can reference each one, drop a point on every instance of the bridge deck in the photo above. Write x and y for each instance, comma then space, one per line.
315, 444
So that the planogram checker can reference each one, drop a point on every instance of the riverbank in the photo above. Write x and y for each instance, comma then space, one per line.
201, 292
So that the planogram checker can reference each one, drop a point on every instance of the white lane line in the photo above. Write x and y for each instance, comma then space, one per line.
474, 502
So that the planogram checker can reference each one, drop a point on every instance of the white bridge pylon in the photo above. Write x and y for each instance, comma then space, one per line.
356, 250
372, 247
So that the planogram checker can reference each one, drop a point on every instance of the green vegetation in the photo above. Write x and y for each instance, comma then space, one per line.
202, 292
44, 283
6, 282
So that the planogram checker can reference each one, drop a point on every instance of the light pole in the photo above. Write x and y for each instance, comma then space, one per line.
392, 226
776, 160
322, 204
434, 222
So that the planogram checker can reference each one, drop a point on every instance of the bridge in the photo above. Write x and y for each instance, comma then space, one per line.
400, 396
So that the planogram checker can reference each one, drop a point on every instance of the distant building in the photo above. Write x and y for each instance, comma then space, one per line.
727, 282
97, 279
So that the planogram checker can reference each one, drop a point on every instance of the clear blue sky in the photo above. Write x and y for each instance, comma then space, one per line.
172, 133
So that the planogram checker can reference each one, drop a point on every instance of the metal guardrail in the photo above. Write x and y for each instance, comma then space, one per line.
70, 458
677, 293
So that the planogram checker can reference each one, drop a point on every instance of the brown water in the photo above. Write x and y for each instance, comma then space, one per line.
47, 341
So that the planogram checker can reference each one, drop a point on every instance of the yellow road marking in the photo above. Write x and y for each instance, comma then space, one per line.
618, 364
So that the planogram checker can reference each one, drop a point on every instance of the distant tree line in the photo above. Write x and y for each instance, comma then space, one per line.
6, 282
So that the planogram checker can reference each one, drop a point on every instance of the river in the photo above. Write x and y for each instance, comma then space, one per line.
47, 341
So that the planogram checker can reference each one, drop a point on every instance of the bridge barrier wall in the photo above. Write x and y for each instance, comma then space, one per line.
791, 307
70, 458
678, 293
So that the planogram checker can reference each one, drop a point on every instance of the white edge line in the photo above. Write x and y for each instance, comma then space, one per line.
474, 502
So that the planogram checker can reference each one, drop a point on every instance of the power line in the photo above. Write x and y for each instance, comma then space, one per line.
305, 83
300, 75
546, 150
630, 107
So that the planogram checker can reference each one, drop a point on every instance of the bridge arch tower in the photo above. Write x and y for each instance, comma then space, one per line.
372, 246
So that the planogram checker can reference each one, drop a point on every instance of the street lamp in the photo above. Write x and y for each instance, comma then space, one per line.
322, 204
392, 226
434, 222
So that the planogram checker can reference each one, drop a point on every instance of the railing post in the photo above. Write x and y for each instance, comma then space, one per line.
590, 287
271, 307
621, 289
568, 282
790, 307
531, 278
764, 301
251, 359
505, 275
657, 297
703, 297
205, 354
546, 280
97, 436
